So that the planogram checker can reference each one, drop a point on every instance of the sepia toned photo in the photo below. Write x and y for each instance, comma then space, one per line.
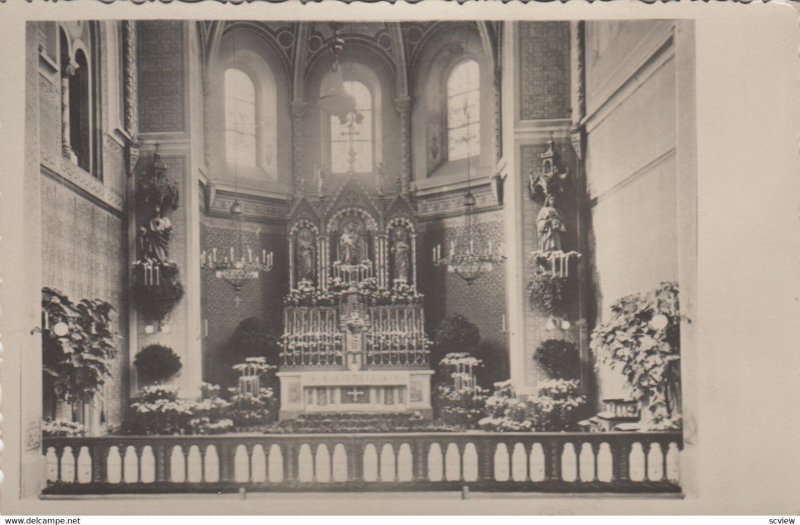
343, 256
412, 260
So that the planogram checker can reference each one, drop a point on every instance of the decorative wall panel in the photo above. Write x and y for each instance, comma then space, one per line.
483, 303
161, 76
262, 298
84, 256
544, 70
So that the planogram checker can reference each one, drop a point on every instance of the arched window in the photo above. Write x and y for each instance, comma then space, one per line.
352, 140
463, 111
240, 118
79, 117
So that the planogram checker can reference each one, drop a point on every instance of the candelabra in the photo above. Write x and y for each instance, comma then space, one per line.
238, 264
468, 257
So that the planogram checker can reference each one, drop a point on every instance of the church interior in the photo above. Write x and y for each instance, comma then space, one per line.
434, 226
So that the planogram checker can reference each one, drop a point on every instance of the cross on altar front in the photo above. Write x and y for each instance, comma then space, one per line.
355, 394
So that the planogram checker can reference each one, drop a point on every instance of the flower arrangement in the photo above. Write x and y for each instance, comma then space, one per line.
156, 363
307, 295
556, 406
460, 407
641, 339
155, 299
559, 359
78, 345
248, 410
159, 411
352, 423
255, 366
62, 428
204, 425
504, 412
548, 292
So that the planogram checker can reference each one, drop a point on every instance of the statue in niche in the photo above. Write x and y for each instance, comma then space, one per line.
305, 255
154, 238
402, 253
550, 225
350, 244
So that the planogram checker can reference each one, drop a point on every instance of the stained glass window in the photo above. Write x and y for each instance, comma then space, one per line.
240, 118
351, 141
463, 111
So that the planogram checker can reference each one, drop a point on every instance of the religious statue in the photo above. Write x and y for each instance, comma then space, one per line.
350, 245
402, 254
550, 225
320, 176
305, 255
154, 238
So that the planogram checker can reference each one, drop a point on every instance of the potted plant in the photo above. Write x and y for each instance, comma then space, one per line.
78, 346
156, 363
642, 340
559, 359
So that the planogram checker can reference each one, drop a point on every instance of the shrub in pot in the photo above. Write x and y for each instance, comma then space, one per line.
156, 363
559, 359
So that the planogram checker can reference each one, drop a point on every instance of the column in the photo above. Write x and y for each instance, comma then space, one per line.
298, 113
130, 87
403, 105
513, 239
414, 260
67, 73
578, 140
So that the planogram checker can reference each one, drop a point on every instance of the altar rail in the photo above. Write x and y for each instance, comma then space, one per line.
543, 462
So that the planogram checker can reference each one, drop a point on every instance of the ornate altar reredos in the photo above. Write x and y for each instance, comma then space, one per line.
354, 337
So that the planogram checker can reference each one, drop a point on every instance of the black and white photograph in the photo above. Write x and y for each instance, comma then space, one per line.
309, 260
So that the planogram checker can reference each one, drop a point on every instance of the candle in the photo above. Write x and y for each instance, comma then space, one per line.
232, 253
214, 255
249, 254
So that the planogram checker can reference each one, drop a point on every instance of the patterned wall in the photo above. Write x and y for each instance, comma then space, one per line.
483, 302
544, 70
84, 255
262, 299
161, 75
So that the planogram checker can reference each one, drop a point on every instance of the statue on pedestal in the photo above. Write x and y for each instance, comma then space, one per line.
350, 245
305, 255
402, 254
550, 225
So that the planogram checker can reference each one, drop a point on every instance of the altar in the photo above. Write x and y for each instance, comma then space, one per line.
354, 324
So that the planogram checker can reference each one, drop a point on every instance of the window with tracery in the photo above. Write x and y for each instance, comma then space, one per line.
352, 140
463, 111
240, 118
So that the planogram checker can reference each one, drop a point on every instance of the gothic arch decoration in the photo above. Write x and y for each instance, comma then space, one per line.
341, 215
281, 40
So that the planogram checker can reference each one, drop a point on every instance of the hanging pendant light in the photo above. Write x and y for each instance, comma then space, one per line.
333, 97
469, 258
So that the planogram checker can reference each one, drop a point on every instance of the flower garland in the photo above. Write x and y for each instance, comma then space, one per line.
308, 295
